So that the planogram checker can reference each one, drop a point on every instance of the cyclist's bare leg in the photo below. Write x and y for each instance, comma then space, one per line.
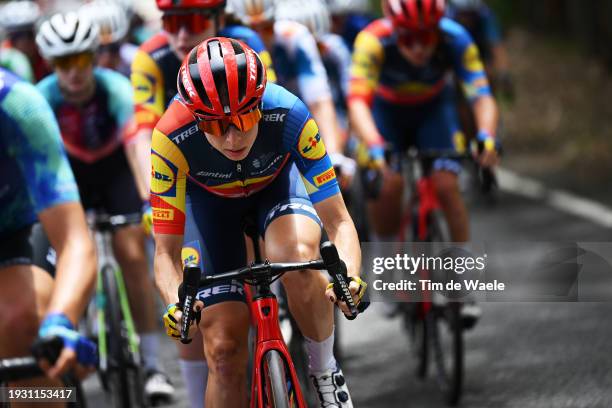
385, 212
225, 328
295, 238
129, 250
447, 189
24, 295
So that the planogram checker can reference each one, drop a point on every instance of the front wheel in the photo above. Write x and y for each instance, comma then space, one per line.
447, 345
123, 377
275, 377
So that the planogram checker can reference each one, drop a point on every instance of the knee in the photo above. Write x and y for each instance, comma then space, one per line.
129, 247
226, 359
292, 250
19, 321
447, 187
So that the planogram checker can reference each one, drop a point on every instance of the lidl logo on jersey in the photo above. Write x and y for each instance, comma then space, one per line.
144, 88
471, 59
324, 177
310, 143
163, 176
189, 254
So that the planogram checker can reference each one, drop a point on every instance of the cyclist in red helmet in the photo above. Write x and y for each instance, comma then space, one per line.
229, 146
400, 96
185, 24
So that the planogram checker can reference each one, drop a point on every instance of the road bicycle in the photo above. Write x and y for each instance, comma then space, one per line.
109, 320
26, 367
274, 383
433, 322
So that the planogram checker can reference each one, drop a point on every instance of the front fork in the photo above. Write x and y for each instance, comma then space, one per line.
264, 315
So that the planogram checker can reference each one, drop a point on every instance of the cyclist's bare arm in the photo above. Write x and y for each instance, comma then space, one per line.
167, 265
362, 122
324, 114
138, 152
486, 115
67, 231
342, 233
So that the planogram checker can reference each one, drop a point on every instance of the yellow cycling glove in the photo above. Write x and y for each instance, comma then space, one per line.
170, 322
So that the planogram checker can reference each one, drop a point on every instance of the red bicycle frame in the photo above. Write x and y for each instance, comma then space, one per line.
264, 317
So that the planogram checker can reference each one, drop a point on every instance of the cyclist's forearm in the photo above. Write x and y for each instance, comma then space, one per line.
138, 153
362, 122
341, 231
76, 259
167, 266
486, 114
324, 114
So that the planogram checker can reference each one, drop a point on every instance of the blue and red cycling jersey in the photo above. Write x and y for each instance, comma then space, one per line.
379, 70
182, 159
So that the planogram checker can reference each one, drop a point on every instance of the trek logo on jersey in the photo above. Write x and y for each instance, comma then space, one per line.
184, 135
163, 214
310, 143
290, 208
189, 255
234, 287
163, 177
324, 177
274, 117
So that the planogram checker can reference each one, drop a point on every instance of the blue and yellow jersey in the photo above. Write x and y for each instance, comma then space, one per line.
156, 66
34, 171
181, 155
96, 129
378, 68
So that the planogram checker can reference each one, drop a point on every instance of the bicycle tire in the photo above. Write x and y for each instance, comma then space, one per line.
276, 380
445, 320
119, 371
300, 361
449, 358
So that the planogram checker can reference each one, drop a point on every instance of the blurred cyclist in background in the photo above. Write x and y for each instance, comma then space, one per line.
336, 57
93, 107
18, 20
186, 23
37, 189
349, 17
400, 96
484, 28
112, 19
299, 68
16, 62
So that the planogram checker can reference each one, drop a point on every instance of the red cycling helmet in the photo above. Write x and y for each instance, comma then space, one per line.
414, 15
221, 78
165, 5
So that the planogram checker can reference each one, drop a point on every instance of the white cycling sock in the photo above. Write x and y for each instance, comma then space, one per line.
320, 354
195, 376
149, 349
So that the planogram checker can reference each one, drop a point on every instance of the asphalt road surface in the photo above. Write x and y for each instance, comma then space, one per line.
523, 355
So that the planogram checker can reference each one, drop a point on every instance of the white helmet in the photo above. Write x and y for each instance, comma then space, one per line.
19, 15
313, 14
252, 12
466, 5
65, 34
111, 19
340, 7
